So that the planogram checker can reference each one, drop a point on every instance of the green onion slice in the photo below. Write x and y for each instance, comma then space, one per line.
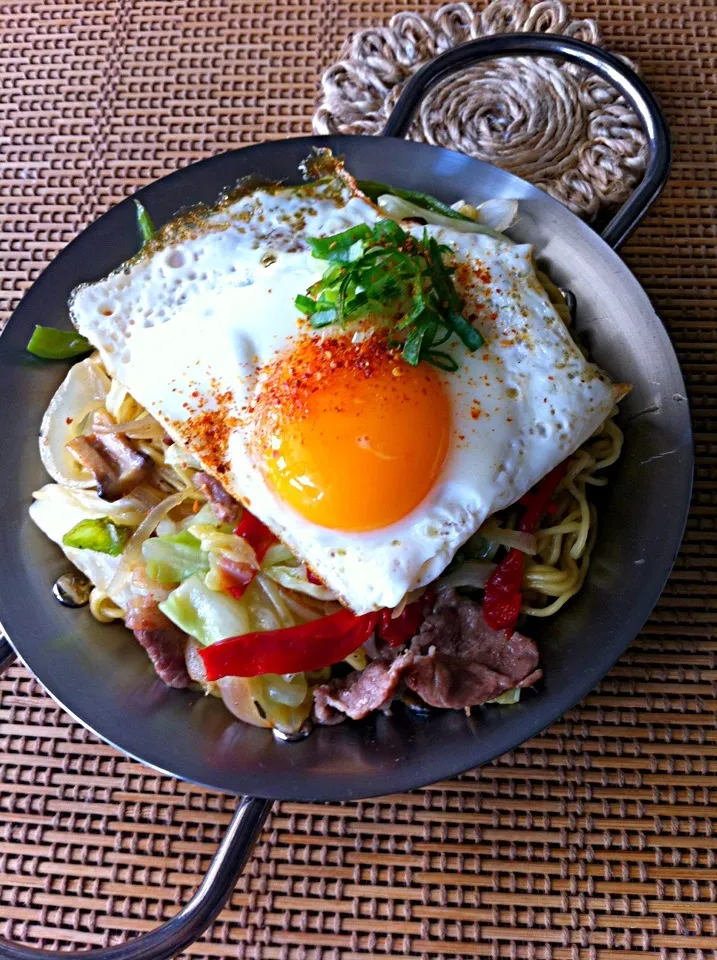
374, 190
145, 223
388, 272
440, 359
339, 248
51, 344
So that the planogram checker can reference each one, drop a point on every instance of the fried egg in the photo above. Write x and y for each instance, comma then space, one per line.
372, 471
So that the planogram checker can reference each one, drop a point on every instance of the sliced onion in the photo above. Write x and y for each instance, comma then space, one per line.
409, 597
291, 693
145, 497
277, 553
294, 578
167, 528
498, 214
399, 608
472, 573
401, 209
240, 698
176, 456
133, 551
143, 428
512, 539
275, 599
83, 391
304, 608
194, 663
116, 398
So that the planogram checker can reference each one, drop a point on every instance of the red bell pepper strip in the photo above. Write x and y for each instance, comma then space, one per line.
260, 538
237, 592
398, 630
309, 646
540, 499
256, 534
504, 591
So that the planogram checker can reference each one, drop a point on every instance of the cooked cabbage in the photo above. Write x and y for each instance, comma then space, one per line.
174, 557
281, 566
205, 614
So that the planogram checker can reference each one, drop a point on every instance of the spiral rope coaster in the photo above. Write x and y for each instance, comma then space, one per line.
551, 123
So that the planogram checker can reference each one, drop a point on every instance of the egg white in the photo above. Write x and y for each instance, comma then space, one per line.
206, 308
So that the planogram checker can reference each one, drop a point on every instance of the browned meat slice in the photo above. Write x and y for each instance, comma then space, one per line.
531, 678
461, 662
361, 692
163, 642
223, 504
112, 459
456, 660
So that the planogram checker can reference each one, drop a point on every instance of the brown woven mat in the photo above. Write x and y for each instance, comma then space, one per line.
594, 840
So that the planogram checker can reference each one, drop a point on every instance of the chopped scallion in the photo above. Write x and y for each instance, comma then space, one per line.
388, 271
145, 223
440, 359
341, 247
51, 344
374, 190
305, 304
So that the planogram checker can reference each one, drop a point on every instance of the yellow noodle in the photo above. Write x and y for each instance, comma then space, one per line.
176, 477
566, 540
614, 433
576, 550
103, 608
549, 551
152, 450
567, 526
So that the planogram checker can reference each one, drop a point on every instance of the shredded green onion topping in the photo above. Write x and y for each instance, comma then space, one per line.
384, 270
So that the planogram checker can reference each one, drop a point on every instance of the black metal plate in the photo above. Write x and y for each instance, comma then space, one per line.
101, 676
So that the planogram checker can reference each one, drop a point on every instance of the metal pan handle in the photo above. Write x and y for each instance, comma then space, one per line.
593, 58
173, 936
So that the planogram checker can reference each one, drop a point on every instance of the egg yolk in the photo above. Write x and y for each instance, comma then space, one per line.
349, 434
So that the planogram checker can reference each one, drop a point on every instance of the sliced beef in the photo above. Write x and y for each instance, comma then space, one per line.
163, 642
455, 660
531, 678
361, 692
222, 503
461, 662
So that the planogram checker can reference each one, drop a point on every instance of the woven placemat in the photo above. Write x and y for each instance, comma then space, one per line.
596, 839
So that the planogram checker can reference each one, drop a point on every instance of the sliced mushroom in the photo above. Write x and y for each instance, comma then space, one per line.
112, 459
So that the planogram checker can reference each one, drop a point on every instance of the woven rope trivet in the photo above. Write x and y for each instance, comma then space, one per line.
551, 123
